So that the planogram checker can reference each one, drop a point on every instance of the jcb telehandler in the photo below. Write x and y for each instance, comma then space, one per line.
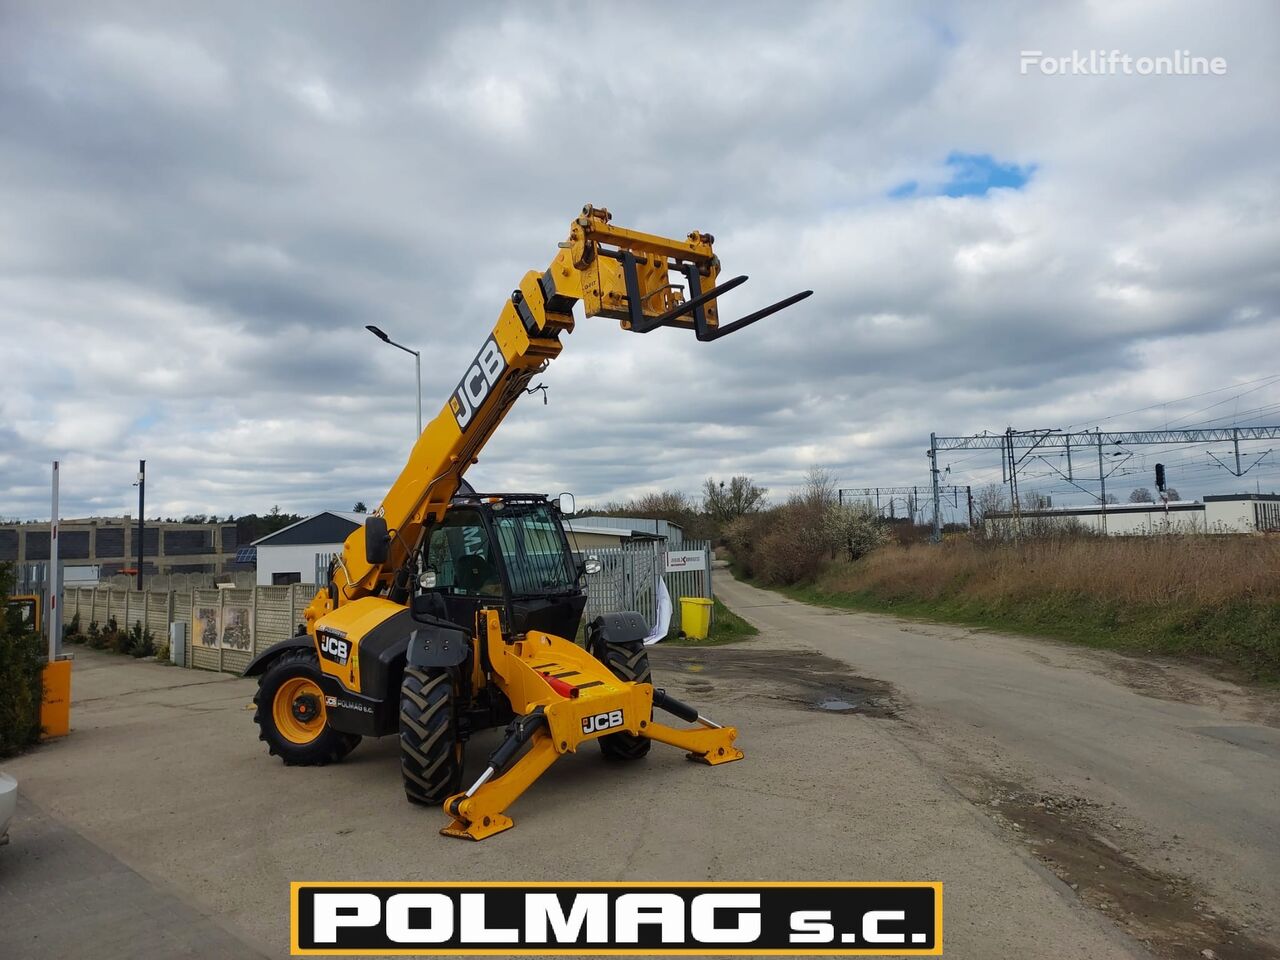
451, 611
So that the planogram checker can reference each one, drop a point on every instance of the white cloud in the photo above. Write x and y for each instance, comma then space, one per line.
200, 210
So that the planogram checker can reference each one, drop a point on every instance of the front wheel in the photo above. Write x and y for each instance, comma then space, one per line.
627, 661
289, 711
430, 749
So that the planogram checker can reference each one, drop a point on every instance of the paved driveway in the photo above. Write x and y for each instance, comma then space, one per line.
163, 773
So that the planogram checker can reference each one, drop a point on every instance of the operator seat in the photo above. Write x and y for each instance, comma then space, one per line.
474, 572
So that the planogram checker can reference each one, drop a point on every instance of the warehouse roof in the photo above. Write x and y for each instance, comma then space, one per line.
332, 526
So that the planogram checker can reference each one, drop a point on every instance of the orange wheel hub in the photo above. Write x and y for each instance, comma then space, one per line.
298, 710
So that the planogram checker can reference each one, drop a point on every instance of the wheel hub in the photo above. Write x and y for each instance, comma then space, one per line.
305, 708
298, 710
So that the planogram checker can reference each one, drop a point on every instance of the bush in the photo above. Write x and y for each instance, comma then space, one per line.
141, 642
794, 542
71, 631
21, 664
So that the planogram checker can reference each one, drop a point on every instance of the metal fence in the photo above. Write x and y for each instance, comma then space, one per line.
629, 578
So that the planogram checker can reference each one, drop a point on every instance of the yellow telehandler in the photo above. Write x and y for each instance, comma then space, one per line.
451, 611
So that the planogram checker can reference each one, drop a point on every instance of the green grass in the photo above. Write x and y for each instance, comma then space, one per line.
726, 627
1242, 636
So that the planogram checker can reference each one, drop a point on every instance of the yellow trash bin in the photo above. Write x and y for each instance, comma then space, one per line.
55, 706
695, 617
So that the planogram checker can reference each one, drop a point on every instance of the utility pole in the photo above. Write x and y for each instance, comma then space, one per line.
1235, 442
54, 618
937, 496
142, 523
1102, 483
968, 492
1014, 505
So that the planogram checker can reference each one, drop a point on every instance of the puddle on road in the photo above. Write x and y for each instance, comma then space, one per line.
802, 679
837, 706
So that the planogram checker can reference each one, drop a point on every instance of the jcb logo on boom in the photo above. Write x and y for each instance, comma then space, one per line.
474, 387
333, 648
602, 721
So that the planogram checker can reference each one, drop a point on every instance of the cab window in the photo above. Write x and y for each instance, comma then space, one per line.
462, 556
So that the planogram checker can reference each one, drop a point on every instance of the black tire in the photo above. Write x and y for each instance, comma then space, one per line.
328, 745
627, 661
430, 751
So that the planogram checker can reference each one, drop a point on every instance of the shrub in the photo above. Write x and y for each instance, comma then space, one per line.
21, 664
94, 637
141, 642
71, 631
792, 543
121, 640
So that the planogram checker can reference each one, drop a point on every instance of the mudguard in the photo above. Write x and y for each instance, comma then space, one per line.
258, 665
627, 627
437, 643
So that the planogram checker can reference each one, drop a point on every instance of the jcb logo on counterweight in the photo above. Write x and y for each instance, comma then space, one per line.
474, 387
334, 649
602, 721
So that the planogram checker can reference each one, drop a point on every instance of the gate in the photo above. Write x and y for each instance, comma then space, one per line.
629, 578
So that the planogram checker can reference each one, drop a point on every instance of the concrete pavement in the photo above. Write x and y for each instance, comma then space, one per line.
1184, 764
62, 896
164, 772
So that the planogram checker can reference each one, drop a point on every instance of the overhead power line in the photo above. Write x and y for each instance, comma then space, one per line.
1041, 439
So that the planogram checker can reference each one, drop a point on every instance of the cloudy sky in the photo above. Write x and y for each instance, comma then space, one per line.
201, 208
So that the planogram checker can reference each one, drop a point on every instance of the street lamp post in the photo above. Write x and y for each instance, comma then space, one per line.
417, 362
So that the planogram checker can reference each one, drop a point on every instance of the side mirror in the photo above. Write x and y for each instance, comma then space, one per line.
567, 503
377, 542
592, 565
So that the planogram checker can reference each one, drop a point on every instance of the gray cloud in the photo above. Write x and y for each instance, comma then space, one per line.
200, 209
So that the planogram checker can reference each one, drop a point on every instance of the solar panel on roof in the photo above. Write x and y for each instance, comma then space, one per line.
247, 555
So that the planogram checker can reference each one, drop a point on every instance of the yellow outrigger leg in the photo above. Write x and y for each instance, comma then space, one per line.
554, 719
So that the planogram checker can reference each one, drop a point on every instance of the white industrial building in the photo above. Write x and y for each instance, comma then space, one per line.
1233, 513
290, 554
587, 534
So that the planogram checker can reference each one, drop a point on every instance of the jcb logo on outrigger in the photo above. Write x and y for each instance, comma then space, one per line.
602, 721
481, 375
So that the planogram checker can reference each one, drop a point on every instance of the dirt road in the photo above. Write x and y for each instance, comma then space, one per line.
1151, 787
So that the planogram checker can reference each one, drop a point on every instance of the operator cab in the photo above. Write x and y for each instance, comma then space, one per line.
507, 551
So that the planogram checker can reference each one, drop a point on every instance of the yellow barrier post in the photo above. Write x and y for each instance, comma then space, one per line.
55, 704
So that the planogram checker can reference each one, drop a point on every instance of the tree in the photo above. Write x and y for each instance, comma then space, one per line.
1111, 498
1141, 495
1172, 493
723, 503
819, 490
21, 666
359, 507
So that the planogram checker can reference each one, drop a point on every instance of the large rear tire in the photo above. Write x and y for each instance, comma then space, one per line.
290, 714
627, 661
430, 751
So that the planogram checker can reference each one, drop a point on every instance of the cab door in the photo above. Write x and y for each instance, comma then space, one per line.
460, 550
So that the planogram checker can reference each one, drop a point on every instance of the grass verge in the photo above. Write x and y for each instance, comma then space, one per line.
726, 627
1212, 598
